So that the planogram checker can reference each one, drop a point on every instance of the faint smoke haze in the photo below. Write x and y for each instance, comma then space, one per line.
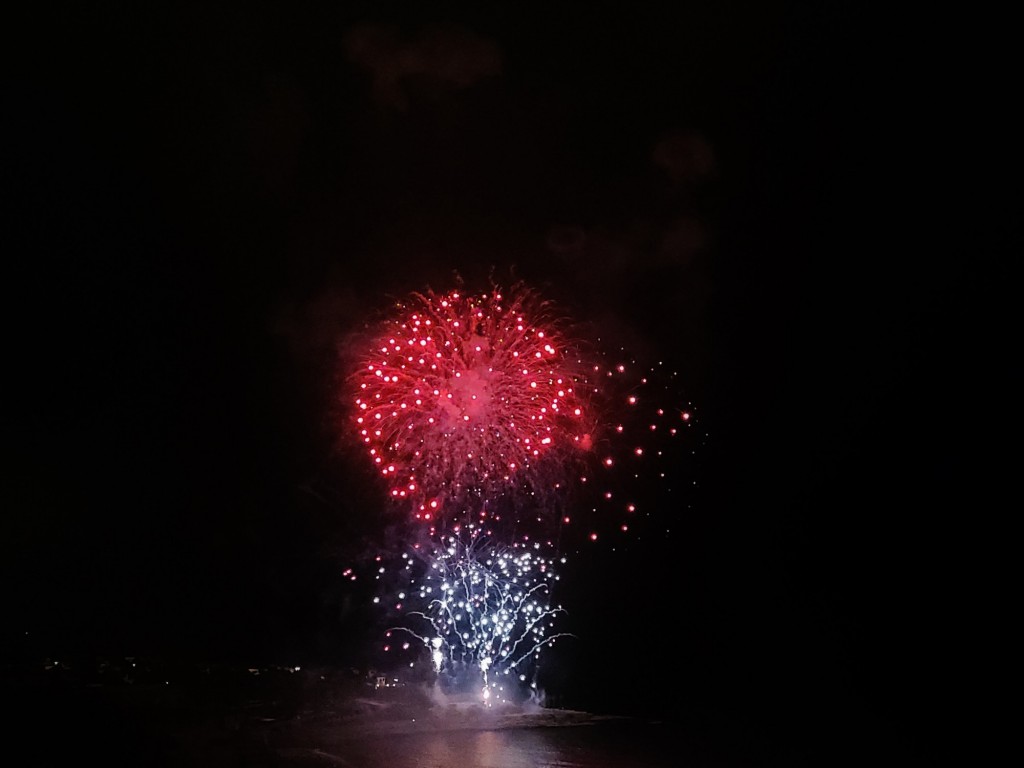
435, 60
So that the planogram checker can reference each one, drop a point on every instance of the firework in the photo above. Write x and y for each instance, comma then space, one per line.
461, 400
484, 409
480, 611
488, 420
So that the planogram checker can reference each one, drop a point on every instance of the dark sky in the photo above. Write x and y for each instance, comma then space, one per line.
203, 200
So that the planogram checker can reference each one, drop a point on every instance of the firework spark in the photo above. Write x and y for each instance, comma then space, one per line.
480, 611
464, 399
643, 455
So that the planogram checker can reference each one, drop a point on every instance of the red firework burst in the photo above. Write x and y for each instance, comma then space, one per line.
461, 399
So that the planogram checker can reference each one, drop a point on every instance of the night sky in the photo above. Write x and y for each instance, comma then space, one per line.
202, 202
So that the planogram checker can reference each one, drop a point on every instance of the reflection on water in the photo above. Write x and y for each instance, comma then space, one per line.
486, 748
605, 745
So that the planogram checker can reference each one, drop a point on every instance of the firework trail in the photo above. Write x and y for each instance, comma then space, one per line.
480, 612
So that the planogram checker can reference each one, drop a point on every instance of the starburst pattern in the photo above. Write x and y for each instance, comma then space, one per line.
462, 399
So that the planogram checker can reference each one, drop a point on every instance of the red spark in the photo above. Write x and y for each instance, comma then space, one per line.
460, 398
